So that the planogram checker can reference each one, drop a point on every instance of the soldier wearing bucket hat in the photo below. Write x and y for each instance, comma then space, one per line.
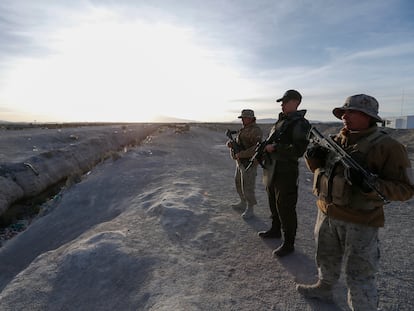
350, 214
361, 102
245, 180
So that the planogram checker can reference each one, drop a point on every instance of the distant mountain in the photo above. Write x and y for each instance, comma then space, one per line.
259, 121
266, 121
167, 119
272, 121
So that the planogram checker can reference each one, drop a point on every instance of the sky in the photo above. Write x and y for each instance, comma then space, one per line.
134, 61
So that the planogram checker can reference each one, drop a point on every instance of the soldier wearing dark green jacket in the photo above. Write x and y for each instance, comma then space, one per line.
281, 170
350, 213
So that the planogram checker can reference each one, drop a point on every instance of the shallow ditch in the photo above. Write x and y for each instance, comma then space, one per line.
18, 217
22, 213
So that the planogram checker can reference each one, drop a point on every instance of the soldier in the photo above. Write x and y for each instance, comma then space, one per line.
349, 216
247, 139
281, 171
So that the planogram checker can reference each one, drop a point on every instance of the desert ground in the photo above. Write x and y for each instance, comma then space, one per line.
143, 222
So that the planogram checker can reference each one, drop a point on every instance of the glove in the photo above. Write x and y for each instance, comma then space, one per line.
357, 179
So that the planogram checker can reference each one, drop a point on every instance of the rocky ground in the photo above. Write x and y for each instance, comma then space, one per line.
152, 229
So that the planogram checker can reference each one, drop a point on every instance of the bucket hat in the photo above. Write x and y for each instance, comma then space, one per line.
361, 102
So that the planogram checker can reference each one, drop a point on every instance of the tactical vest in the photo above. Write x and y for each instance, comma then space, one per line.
330, 184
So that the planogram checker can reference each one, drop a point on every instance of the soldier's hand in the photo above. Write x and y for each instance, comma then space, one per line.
269, 148
229, 144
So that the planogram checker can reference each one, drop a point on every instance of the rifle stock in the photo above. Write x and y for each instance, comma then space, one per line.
347, 161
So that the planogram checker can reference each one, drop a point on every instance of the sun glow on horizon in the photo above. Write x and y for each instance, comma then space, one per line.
108, 69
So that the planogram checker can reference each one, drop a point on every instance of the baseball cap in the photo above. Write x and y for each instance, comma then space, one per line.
361, 102
290, 94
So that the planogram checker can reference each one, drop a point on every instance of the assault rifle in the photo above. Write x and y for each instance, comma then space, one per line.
260, 147
347, 161
258, 154
236, 148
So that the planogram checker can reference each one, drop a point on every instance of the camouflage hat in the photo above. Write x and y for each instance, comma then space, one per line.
246, 113
290, 94
361, 102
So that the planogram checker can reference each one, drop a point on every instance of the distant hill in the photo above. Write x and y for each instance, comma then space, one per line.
266, 121
271, 121
167, 119
259, 121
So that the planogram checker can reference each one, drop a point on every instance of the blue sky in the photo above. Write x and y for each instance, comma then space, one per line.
63, 61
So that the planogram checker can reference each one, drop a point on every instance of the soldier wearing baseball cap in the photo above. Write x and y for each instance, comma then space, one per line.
286, 143
290, 94
349, 211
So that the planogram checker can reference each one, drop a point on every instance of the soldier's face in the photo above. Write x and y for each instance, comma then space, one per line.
355, 120
247, 121
289, 105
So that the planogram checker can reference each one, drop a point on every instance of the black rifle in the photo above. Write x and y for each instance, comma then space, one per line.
260, 147
236, 148
347, 161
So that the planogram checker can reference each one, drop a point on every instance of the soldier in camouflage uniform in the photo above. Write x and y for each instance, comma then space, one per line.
349, 216
247, 138
287, 143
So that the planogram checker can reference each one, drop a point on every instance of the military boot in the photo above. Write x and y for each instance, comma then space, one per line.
319, 290
273, 233
288, 244
285, 249
241, 206
270, 234
248, 213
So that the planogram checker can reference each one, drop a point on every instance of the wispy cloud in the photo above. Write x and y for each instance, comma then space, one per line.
253, 50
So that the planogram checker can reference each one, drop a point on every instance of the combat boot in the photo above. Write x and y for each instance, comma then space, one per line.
288, 244
319, 290
241, 206
248, 213
274, 231
284, 250
270, 234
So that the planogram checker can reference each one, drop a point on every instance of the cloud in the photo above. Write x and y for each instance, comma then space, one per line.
11, 36
255, 50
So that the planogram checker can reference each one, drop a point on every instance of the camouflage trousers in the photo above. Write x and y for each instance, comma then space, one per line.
357, 247
246, 183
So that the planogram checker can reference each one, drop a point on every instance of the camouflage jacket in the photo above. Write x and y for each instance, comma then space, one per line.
247, 138
384, 157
